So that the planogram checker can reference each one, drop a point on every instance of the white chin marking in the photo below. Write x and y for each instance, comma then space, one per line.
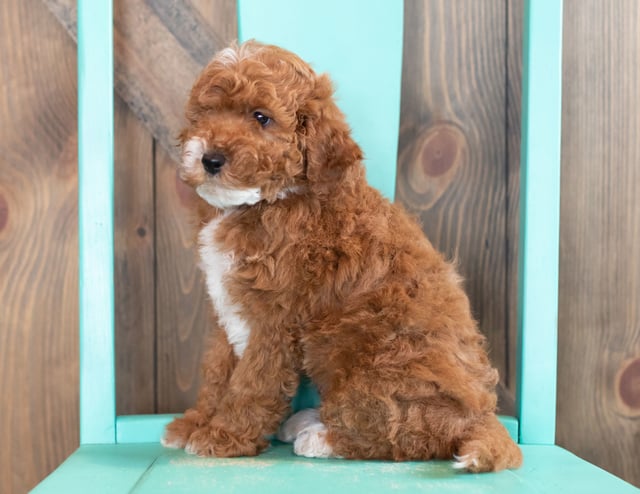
223, 197
307, 433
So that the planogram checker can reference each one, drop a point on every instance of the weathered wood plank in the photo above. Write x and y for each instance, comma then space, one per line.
452, 160
515, 18
183, 317
134, 264
221, 15
599, 319
185, 24
159, 48
38, 246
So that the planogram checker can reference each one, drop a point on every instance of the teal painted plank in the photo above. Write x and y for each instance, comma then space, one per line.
359, 44
141, 428
95, 184
279, 471
512, 426
146, 469
540, 219
555, 470
101, 469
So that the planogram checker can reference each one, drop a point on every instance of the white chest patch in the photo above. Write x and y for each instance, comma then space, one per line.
216, 264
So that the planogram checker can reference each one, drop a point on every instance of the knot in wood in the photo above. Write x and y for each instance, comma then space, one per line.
440, 150
628, 387
429, 164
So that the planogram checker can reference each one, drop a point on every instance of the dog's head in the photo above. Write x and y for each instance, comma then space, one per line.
262, 125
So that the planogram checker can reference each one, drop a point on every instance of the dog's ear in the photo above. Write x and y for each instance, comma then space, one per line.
325, 136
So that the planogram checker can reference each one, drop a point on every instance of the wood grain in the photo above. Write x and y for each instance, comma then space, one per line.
182, 309
515, 19
221, 15
134, 264
599, 320
38, 239
183, 318
452, 168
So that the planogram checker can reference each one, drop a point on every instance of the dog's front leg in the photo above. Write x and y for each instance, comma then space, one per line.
260, 391
218, 365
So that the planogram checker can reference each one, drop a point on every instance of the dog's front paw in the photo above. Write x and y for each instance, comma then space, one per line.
214, 440
178, 432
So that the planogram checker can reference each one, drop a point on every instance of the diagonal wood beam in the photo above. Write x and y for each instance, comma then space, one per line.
160, 46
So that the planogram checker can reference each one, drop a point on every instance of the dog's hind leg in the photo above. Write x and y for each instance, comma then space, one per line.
356, 424
360, 425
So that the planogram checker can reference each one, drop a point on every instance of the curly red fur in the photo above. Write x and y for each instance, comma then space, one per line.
332, 280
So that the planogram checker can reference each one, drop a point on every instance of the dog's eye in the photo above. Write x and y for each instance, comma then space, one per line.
261, 118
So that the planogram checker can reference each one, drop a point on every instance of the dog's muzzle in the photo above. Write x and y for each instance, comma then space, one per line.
213, 162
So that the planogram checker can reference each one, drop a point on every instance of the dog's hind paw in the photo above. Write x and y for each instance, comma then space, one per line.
296, 423
307, 433
312, 442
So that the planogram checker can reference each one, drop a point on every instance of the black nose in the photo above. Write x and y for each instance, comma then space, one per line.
213, 162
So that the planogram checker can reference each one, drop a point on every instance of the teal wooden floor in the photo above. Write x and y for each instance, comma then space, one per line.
150, 468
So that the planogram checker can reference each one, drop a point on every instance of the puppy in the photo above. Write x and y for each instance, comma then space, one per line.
311, 271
